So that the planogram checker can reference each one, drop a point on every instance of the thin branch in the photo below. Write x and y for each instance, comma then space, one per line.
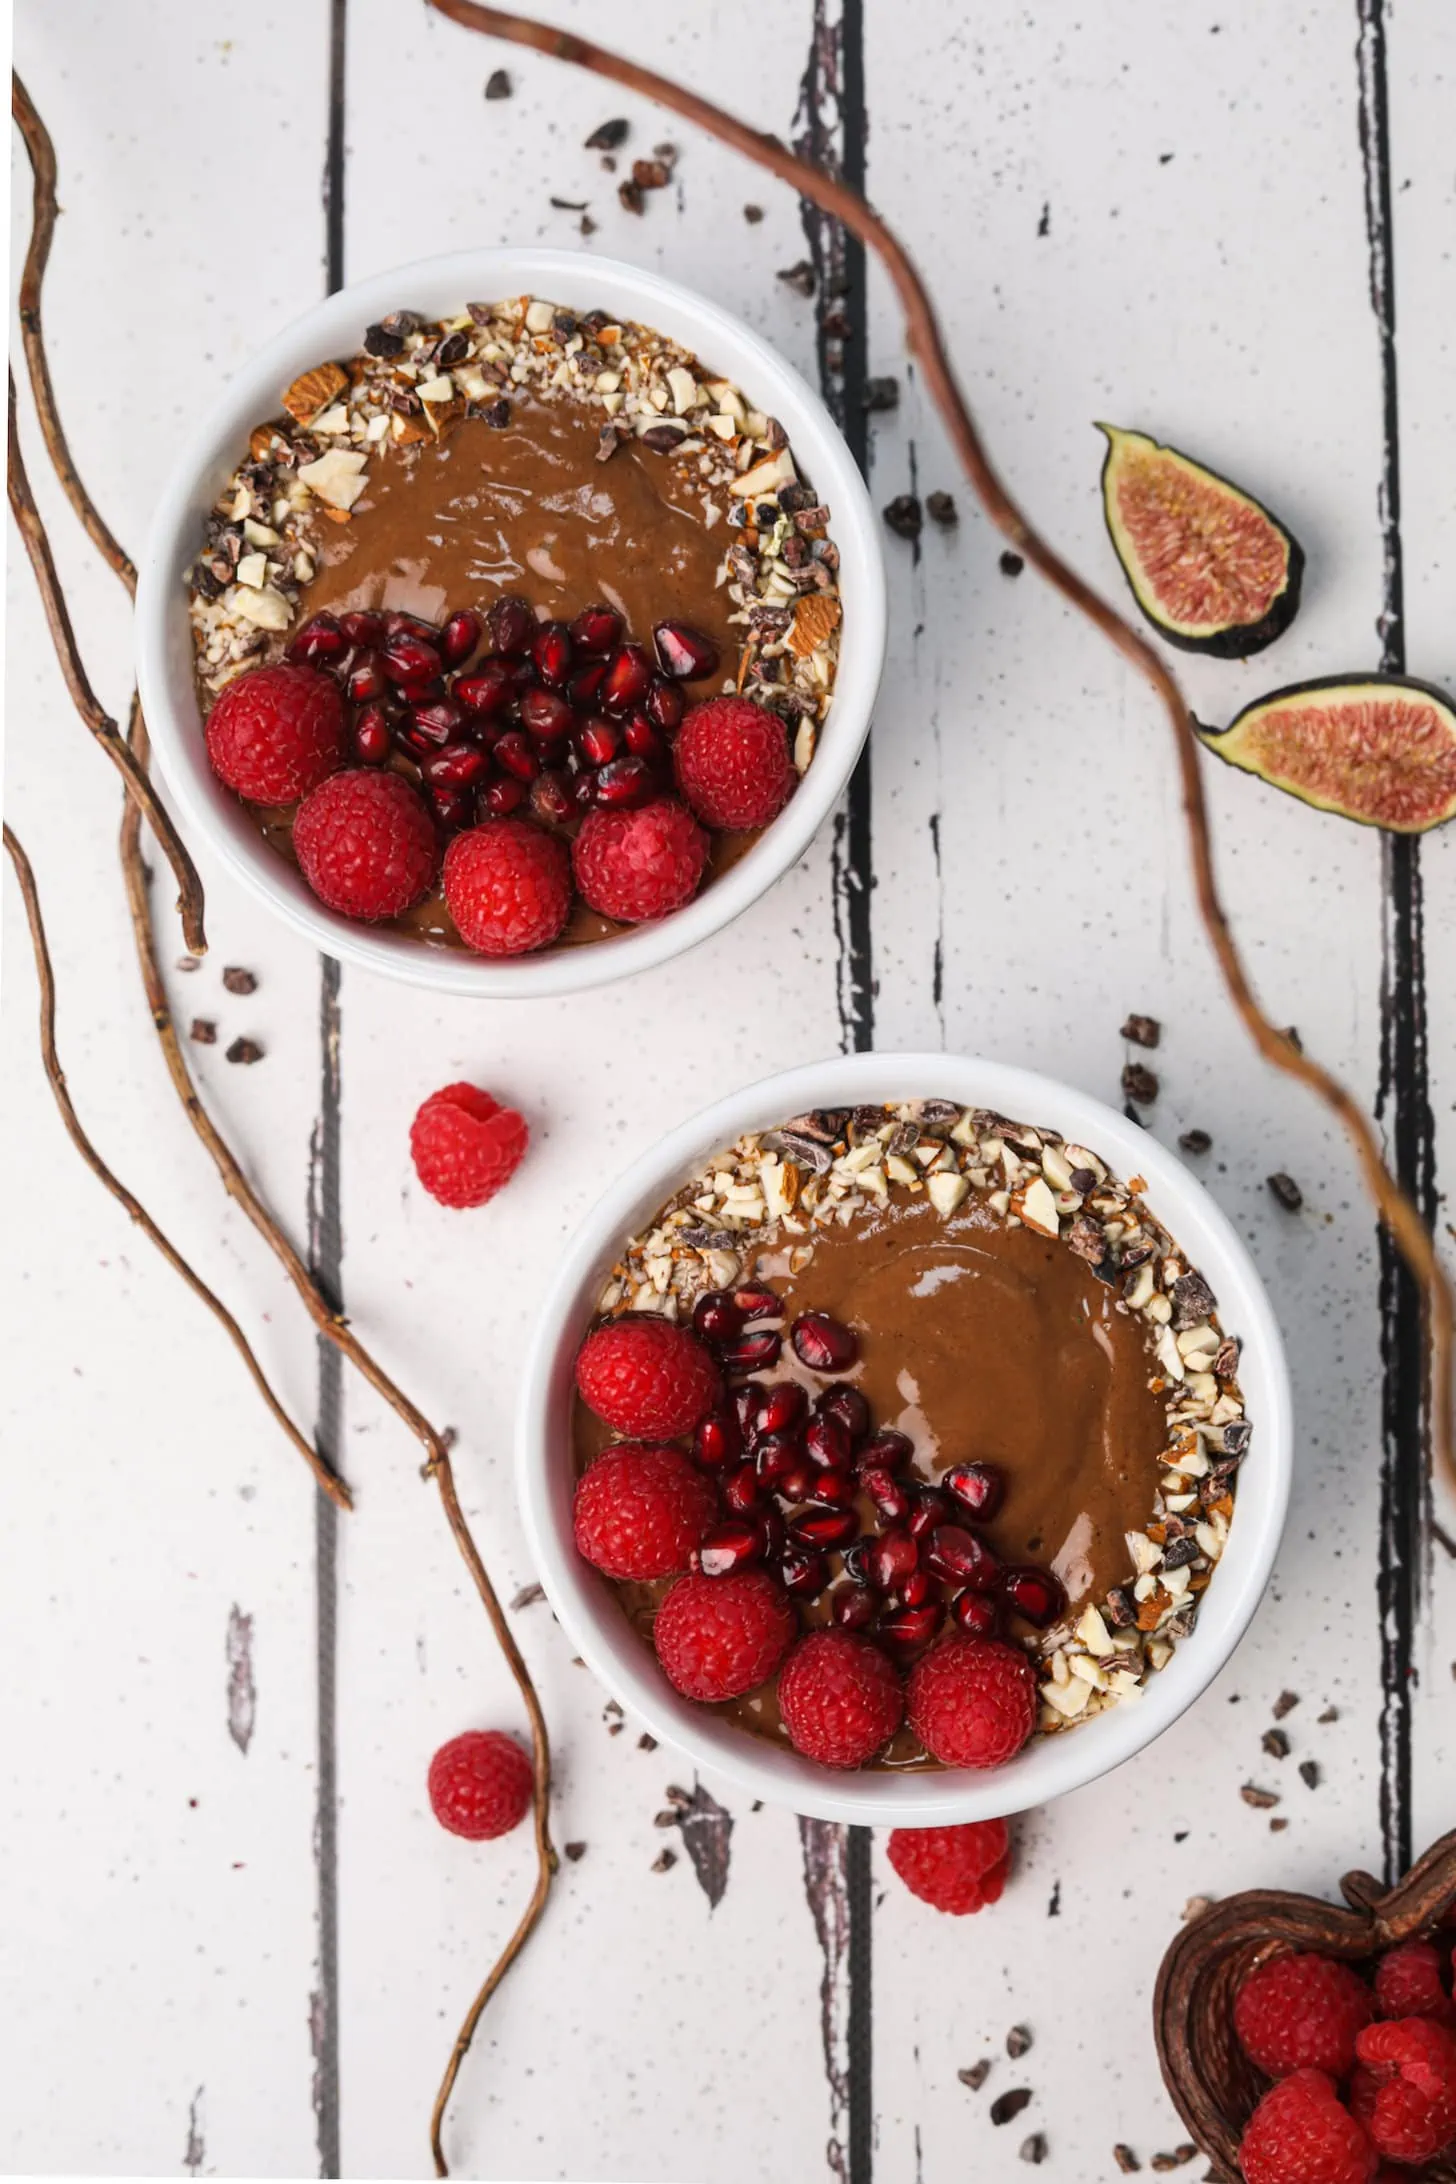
1400, 1216
332, 1485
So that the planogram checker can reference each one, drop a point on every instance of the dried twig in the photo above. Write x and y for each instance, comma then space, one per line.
847, 206
333, 1486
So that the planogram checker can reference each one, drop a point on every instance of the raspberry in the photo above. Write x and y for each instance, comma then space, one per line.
718, 1637
1302, 2013
276, 733
508, 885
480, 1784
641, 1510
366, 844
1300, 2134
840, 1698
465, 1145
972, 1701
1413, 2063
953, 1869
635, 865
732, 763
1408, 1984
647, 1377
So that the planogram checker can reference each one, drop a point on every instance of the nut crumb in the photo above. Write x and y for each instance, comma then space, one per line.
1331, 1713
1275, 1743
1018, 2042
975, 2076
646, 1742
903, 515
204, 1031
664, 1861
237, 980
941, 508
1126, 2159
1261, 1800
1287, 1191
1284, 1704
245, 1050
574, 1851
189, 963
1140, 1084
1033, 2148
1196, 1141
1195, 1908
608, 136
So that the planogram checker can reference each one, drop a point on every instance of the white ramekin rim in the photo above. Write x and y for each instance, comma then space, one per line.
1050, 1766
580, 280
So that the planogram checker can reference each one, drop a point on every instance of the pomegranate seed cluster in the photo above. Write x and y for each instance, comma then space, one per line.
818, 1491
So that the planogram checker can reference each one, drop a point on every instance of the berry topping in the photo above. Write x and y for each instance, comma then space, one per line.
365, 844
972, 1701
840, 1698
639, 864
1301, 2134
646, 1377
683, 652
957, 1869
480, 1784
1408, 1984
1413, 2064
465, 1145
1302, 2012
640, 1511
508, 886
276, 733
718, 1637
825, 1345
732, 763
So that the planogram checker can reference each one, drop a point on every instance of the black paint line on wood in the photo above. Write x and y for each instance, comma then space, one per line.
194, 2154
826, 1889
1402, 1102
242, 1694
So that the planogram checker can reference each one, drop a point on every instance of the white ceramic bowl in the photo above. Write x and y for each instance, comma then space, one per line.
1049, 1766
336, 328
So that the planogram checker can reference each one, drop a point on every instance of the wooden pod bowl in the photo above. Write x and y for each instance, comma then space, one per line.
1214, 2086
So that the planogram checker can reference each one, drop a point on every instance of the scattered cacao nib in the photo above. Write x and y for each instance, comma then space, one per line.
1126, 2160
1140, 1083
588, 225
1309, 1773
245, 1050
379, 341
836, 323
189, 963
498, 414
608, 136
1018, 2042
1007, 2105
630, 196
203, 1031
1193, 1301
1179, 1553
651, 174
881, 394
1011, 564
774, 436
662, 439
800, 277
1226, 1358
941, 509
1275, 1743
206, 582
1286, 1190
1292, 1035
1143, 1031
1277, 1827
498, 84
1086, 1239
647, 1742
1284, 1704
975, 2076
1033, 2148
1121, 1608
904, 516
1331, 1713
753, 214
237, 980
568, 204
667, 1818
1261, 1800
665, 152
1236, 1436
608, 443
805, 1152
664, 1861
574, 1851
563, 326
527, 1596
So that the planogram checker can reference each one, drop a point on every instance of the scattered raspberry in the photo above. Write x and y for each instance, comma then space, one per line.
465, 1145
366, 844
1300, 2134
1302, 2012
1408, 1984
732, 763
840, 1698
718, 1637
647, 1377
635, 865
953, 1869
480, 1784
508, 885
276, 733
1413, 2062
972, 1701
641, 1510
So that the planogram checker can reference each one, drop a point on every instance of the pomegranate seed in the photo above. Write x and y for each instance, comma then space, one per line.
977, 1613
546, 713
366, 680
665, 705
852, 1607
459, 637
797, 1485
833, 1487
503, 796
890, 1559
824, 1528
551, 799
887, 1494
979, 1488
827, 1441
372, 739
1034, 1594
514, 752
551, 651
856, 1563
928, 1510
741, 1490
683, 652
917, 1589
643, 740
438, 721
625, 783
748, 1403
718, 1442
627, 680
420, 693
729, 1547
776, 1455
753, 1351
803, 1572
825, 1345
961, 1558
910, 1630
584, 790
522, 672
596, 629
598, 741
319, 643
363, 629
512, 625
408, 659
456, 767
397, 624
761, 1304
716, 1317
886, 1451
783, 1402
584, 685
849, 1407
486, 691
453, 807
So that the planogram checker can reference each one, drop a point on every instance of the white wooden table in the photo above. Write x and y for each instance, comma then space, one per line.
1157, 214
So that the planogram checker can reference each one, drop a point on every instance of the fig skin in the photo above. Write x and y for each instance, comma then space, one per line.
1225, 743
1237, 640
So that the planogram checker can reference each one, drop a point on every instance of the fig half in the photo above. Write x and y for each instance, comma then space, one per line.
1207, 563
1376, 748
